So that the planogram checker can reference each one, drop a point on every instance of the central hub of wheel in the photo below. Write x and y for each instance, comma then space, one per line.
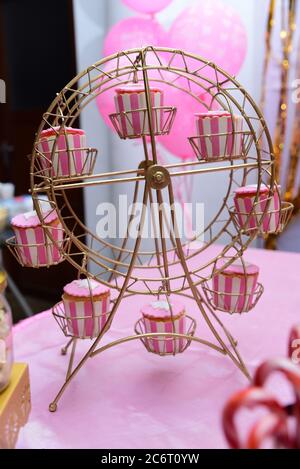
157, 177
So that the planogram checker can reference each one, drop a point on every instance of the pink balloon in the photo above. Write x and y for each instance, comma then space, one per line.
147, 6
133, 33
214, 31
184, 125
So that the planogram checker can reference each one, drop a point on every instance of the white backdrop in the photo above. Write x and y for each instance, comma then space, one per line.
92, 20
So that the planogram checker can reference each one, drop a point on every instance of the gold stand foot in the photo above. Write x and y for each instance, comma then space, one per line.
64, 349
53, 407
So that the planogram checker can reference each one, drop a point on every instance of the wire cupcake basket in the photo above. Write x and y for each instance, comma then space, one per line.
261, 221
230, 150
37, 255
125, 122
162, 343
61, 164
79, 326
233, 303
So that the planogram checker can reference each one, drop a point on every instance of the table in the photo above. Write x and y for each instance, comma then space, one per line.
129, 398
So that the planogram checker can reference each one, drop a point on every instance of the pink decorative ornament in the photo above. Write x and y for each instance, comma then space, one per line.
291, 373
184, 125
147, 6
250, 398
133, 33
214, 31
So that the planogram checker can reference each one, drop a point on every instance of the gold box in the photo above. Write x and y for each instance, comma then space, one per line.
15, 406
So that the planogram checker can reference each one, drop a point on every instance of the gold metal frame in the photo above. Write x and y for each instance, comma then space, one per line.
131, 270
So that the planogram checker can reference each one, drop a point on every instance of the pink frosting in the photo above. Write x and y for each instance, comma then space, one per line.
251, 189
31, 220
237, 267
135, 88
159, 309
218, 113
86, 288
69, 130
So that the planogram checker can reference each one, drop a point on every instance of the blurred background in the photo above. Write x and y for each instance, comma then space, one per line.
42, 49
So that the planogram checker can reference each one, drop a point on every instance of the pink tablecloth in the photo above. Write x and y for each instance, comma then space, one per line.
129, 398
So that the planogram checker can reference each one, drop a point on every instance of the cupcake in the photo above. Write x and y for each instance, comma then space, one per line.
132, 99
158, 317
87, 307
34, 246
234, 287
220, 135
244, 201
70, 154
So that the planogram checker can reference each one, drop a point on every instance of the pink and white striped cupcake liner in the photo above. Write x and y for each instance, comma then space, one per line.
269, 220
166, 345
220, 135
36, 248
86, 319
234, 294
135, 121
69, 157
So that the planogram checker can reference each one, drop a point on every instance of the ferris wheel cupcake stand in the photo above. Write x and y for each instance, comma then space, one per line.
232, 139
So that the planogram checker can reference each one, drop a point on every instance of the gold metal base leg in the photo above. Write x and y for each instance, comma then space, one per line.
231, 339
53, 407
64, 349
71, 361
